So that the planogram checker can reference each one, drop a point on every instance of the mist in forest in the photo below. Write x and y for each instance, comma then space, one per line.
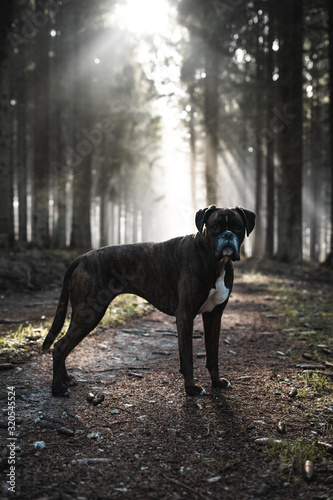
120, 119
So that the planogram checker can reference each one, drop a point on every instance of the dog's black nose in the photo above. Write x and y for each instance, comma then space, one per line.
228, 235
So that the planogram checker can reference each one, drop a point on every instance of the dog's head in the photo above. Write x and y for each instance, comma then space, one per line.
225, 229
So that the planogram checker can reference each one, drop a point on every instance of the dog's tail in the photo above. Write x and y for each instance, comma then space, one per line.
60, 315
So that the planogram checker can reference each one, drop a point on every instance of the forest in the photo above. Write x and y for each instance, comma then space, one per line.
118, 120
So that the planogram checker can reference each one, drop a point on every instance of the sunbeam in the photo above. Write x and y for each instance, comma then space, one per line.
146, 17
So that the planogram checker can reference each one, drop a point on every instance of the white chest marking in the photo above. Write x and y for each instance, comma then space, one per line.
216, 295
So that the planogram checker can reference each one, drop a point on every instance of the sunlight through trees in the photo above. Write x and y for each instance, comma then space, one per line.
119, 119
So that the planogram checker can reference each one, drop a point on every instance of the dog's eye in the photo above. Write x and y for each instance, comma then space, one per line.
215, 227
238, 228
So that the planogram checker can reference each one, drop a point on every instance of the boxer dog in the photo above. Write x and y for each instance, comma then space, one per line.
182, 277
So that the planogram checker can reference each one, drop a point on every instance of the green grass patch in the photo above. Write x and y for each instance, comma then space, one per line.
303, 321
18, 345
293, 453
123, 308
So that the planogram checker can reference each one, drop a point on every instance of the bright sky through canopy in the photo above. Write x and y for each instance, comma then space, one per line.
161, 63
145, 16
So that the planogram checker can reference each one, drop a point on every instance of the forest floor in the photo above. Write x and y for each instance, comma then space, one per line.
147, 439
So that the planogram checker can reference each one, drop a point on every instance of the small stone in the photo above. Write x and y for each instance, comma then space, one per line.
90, 397
98, 399
281, 428
214, 479
293, 392
39, 444
64, 431
93, 435
265, 441
259, 422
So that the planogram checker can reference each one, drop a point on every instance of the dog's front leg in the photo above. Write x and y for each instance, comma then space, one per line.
185, 332
212, 326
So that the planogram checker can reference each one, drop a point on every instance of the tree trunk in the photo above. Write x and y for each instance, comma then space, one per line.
40, 230
63, 90
6, 184
290, 112
104, 219
192, 147
82, 150
330, 31
211, 122
81, 228
315, 135
22, 151
270, 164
258, 236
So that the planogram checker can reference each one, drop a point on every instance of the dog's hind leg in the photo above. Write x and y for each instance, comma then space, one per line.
79, 328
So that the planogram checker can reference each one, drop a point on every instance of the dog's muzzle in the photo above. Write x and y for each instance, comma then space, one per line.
227, 246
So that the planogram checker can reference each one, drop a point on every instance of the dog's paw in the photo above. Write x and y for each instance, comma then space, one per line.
60, 391
70, 380
222, 383
194, 390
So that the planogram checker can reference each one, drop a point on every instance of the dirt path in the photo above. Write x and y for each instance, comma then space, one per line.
147, 439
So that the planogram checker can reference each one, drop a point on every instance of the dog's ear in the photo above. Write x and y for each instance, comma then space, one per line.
248, 217
202, 215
